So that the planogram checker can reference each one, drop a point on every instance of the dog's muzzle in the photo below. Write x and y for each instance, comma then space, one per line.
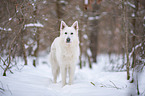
68, 40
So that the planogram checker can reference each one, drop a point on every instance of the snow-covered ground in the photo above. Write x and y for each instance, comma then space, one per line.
31, 81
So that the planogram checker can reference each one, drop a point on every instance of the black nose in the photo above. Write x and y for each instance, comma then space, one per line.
68, 40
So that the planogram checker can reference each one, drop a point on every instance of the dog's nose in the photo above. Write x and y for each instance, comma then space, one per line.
68, 40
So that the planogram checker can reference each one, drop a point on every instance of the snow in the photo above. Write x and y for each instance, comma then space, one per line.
85, 36
46, 19
10, 19
34, 25
9, 29
104, 13
94, 18
91, 18
33, 4
86, 2
17, 11
63, 2
89, 52
44, 2
133, 15
97, 17
137, 46
6, 29
31, 81
130, 4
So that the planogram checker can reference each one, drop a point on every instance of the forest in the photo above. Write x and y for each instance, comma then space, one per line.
111, 34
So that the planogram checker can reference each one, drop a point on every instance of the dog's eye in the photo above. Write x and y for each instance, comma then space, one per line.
71, 33
65, 33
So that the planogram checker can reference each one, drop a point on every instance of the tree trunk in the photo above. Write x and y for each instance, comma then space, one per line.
94, 32
80, 57
23, 47
93, 42
37, 38
126, 37
37, 49
59, 12
134, 32
134, 38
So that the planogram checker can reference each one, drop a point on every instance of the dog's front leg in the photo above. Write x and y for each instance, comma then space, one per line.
71, 74
63, 75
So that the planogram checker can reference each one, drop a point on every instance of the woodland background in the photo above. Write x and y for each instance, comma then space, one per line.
28, 27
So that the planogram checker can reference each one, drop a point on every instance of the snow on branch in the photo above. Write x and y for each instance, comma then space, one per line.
130, 4
34, 25
97, 16
86, 2
94, 18
130, 54
5, 29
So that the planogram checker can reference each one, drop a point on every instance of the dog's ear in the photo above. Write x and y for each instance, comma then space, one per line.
62, 25
75, 25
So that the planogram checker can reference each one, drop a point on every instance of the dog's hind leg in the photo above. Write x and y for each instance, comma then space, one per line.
54, 66
55, 73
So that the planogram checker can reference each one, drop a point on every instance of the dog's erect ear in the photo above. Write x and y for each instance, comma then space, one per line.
62, 25
75, 25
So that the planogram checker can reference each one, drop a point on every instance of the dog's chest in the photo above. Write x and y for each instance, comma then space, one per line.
68, 54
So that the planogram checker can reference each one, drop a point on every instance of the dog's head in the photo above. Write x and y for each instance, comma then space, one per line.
69, 33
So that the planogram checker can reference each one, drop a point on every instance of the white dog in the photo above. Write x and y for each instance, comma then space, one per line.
65, 52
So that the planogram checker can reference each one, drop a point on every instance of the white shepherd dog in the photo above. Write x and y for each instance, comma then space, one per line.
65, 52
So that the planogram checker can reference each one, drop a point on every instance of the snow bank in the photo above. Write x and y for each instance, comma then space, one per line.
30, 81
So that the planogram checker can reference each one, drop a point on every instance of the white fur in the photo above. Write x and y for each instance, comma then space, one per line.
63, 55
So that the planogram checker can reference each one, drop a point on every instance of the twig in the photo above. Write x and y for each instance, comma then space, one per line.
92, 83
2, 89
111, 86
2, 67
2, 92
10, 51
102, 85
137, 46
4, 61
114, 85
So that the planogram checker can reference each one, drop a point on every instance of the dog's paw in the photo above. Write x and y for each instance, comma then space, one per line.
63, 84
70, 83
